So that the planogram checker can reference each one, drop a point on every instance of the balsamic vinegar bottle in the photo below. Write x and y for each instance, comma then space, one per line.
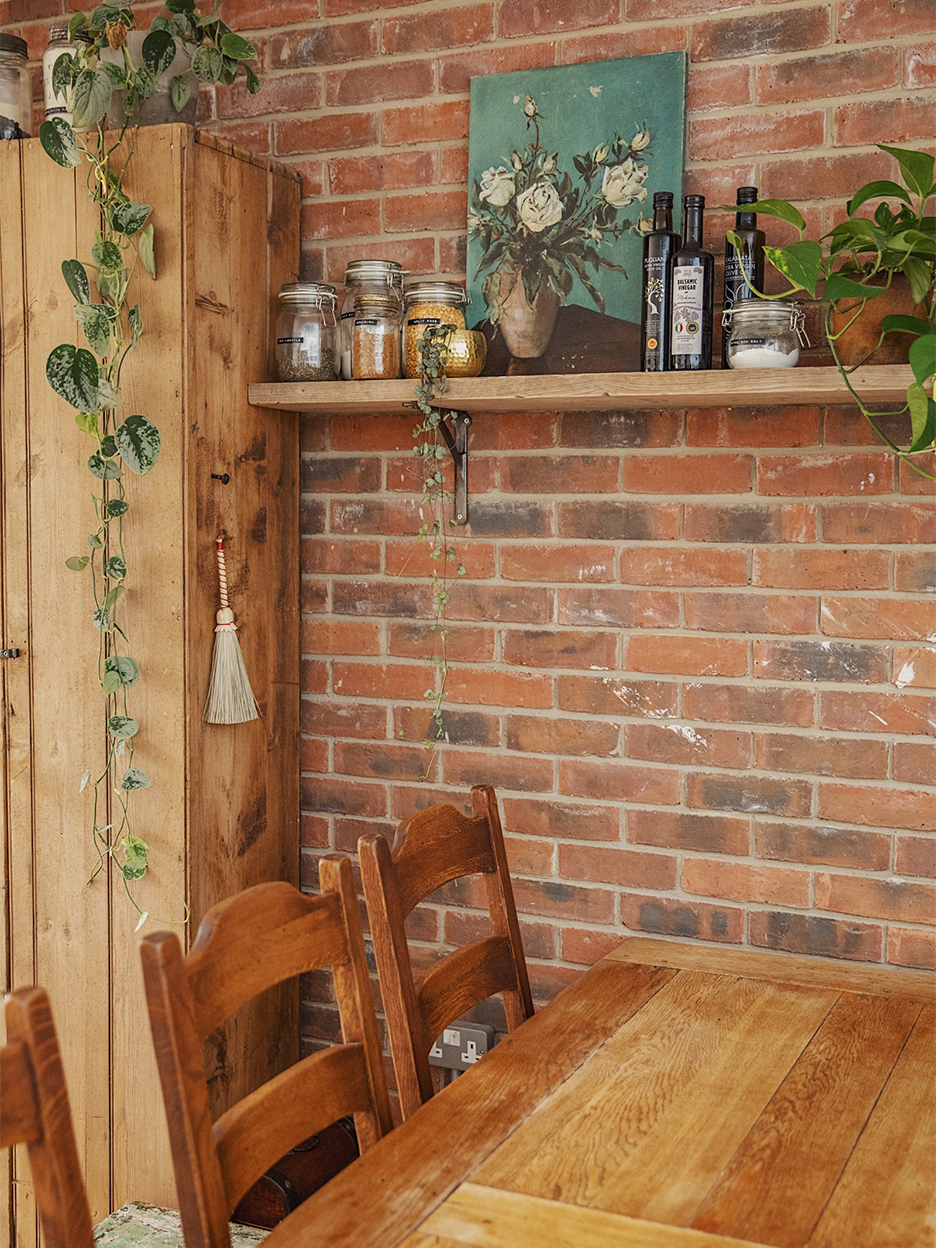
656, 308
749, 265
693, 280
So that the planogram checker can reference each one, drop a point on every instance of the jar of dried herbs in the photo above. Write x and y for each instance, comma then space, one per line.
375, 340
306, 332
382, 278
429, 304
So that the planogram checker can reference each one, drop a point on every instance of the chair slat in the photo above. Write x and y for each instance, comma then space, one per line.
436, 846
464, 978
19, 1113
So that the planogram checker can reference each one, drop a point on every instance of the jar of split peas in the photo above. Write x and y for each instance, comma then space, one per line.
429, 304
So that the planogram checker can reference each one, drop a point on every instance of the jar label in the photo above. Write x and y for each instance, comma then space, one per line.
366, 321
346, 315
749, 342
688, 305
425, 320
282, 341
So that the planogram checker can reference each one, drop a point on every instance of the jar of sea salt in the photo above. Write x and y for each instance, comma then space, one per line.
764, 333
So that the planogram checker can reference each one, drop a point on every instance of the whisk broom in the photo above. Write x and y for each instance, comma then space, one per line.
230, 698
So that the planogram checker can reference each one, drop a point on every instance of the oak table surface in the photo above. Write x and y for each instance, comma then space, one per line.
676, 1096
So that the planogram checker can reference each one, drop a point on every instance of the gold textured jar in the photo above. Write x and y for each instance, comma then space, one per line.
429, 304
465, 353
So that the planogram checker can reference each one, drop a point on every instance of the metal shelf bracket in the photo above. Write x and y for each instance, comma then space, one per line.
457, 444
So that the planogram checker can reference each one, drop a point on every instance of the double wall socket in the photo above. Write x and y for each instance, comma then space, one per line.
461, 1045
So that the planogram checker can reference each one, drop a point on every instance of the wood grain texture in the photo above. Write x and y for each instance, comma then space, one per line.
19, 1113
886, 1196
406, 1175
671, 1095
779, 967
777, 1183
594, 391
484, 1217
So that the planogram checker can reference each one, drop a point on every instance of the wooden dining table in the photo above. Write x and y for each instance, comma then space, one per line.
675, 1096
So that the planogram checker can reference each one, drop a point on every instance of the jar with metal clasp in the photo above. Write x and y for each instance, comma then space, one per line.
15, 89
429, 304
306, 332
379, 279
764, 333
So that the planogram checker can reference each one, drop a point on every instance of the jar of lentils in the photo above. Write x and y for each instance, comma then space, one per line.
429, 304
381, 279
306, 332
375, 339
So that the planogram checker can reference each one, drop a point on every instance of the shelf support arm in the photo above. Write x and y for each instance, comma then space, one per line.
457, 444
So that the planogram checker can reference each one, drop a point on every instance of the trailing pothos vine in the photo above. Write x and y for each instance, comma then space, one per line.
437, 524
89, 378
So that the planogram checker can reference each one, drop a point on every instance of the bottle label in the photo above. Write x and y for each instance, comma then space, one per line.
283, 341
688, 306
738, 272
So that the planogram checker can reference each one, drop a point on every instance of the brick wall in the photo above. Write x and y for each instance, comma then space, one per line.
692, 649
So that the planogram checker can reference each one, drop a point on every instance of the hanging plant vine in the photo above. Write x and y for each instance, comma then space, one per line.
89, 378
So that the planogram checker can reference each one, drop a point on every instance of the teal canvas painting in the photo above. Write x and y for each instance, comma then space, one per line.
563, 164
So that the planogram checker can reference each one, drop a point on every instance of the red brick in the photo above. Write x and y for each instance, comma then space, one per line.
835, 175
521, 518
323, 43
340, 637
313, 755
718, 183
626, 867
342, 219
431, 210
869, 711
382, 680
559, 648
668, 565
454, 164
825, 474
411, 723
915, 572
751, 523
416, 255
546, 982
906, 947
252, 135
425, 123
456, 72
811, 568
819, 660
382, 762
859, 21
878, 807
313, 832
549, 562
710, 834
367, 85
735, 37
372, 516
826, 76
352, 175
620, 428
561, 474
612, 695
915, 762
335, 719
256, 14
687, 474
413, 639
873, 898
414, 557
912, 481
915, 666
847, 425
686, 656
562, 820
328, 474
747, 612
525, 857
735, 881
670, 916
381, 596
440, 29
501, 604
916, 855
817, 844
749, 793
484, 687
330, 132
313, 595
314, 675
618, 782
621, 608
890, 619
555, 899
276, 95
756, 426
325, 556
610, 44
920, 65
680, 743
816, 934
750, 133
853, 758
619, 521
345, 797
513, 431
584, 946
745, 705
541, 735
537, 17
718, 86
452, 255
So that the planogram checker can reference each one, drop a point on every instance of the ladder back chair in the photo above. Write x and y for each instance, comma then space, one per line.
246, 944
432, 848
34, 1111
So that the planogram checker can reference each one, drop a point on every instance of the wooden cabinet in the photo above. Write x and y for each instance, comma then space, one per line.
223, 809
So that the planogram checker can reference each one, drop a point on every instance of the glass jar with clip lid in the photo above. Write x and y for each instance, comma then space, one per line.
764, 333
306, 332
429, 304
375, 338
381, 279
15, 89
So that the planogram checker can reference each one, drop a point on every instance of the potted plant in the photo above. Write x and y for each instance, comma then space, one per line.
869, 261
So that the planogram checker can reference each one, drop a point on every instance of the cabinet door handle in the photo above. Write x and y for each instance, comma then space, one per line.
9, 654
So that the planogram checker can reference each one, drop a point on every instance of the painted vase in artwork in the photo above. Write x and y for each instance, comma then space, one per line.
526, 327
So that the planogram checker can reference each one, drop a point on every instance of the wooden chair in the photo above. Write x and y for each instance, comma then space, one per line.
245, 945
34, 1111
432, 848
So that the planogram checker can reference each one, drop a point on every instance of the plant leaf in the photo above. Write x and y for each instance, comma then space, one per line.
58, 141
78, 563
180, 89
135, 321
129, 218
108, 255
923, 356
906, 324
73, 374
117, 507
107, 396
103, 469
76, 279
124, 668
799, 263
138, 442
147, 253
96, 325
115, 568
207, 64
839, 287
101, 619
112, 596
922, 417
110, 683
62, 73
77, 20
135, 855
253, 82
238, 48
775, 208
134, 778
122, 726
93, 90
921, 277
916, 167
876, 190
159, 51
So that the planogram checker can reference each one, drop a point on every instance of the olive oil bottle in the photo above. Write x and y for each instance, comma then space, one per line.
656, 308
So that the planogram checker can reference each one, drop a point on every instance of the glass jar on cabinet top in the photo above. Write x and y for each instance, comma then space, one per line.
429, 304
306, 332
379, 279
764, 334
15, 89
375, 338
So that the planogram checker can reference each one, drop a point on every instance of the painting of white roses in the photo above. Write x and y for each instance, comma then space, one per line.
563, 164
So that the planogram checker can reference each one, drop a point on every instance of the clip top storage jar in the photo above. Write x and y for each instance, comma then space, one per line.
429, 304
764, 333
375, 338
306, 332
15, 89
377, 278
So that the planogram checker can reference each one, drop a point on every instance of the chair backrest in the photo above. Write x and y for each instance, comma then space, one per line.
430, 849
246, 944
34, 1111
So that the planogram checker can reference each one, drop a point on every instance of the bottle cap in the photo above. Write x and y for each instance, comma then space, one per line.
14, 44
694, 201
747, 195
662, 199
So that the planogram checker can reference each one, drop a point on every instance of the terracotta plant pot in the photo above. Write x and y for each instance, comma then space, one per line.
526, 329
858, 343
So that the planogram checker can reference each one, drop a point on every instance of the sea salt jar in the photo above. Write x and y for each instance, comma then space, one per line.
764, 333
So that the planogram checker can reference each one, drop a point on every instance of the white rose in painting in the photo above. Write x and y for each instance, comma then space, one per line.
622, 184
644, 225
539, 207
640, 141
529, 107
497, 186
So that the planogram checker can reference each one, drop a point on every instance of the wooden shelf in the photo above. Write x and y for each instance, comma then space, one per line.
594, 391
